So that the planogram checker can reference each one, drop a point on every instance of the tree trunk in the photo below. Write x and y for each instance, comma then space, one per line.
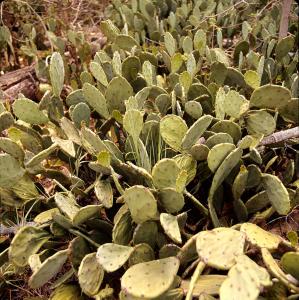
20, 81
284, 21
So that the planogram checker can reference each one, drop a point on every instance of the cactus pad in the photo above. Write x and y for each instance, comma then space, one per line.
260, 122
150, 279
133, 123
217, 155
10, 171
67, 292
90, 274
195, 131
12, 148
48, 269
117, 92
260, 237
171, 227
142, 204
277, 193
245, 280
95, 99
28, 111
112, 256
146, 232
220, 247
290, 263
270, 96
56, 72
173, 129
165, 173
141, 253
26, 242
171, 200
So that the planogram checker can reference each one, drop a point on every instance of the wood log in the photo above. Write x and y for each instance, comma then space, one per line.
19, 81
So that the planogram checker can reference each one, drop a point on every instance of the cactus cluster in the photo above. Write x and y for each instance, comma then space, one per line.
154, 164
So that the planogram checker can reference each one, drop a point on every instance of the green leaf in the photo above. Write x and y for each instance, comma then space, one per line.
56, 73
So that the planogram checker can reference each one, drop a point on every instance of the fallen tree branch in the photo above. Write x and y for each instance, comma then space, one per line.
284, 21
280, 136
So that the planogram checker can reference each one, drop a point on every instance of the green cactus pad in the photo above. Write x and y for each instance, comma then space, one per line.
130, 68
70, 130
195, 131
10, 171
12, 148
222, 172
235, 104
117, 92
253, 79
170, 43
90, 274
276, 271
26, 242
78, 248
95, 99
226, 126
270, 96
171, 200
218, 138
146, 232
104, 193
245, 280
173, 129
277, 193
98, 73
85, 213
150, 279
48, 269
75, 97
67, 205
220, 247
56, 72
171, 227
260, 122
193, 109
67, 292
199, 152
46, 215
38, 158
290, 263
133, 123
142, 204
165, 173
240, 182
109, 29
142, 253
289, 111
125, 42
187, 164
260, 237
28, 111
122, 229
284, 46
257, 202
6, 120
218, 154
80, 113
169, 250
112, 256
66, 146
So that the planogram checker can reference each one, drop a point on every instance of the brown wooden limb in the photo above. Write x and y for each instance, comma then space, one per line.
284, 21
280, 136
20, 81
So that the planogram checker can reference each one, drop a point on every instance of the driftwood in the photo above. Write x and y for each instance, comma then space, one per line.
20, 81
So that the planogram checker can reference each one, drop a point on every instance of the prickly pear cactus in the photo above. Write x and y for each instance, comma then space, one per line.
220, 247
150, 279
112, 256
90, 274
245, 280
260, 237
